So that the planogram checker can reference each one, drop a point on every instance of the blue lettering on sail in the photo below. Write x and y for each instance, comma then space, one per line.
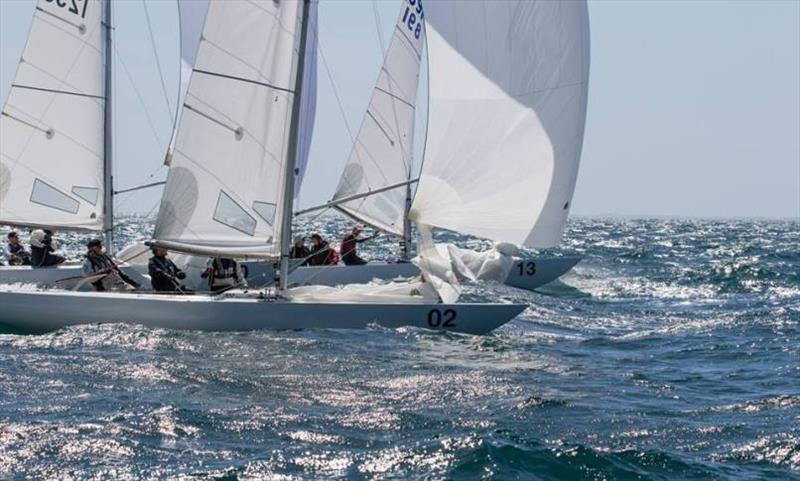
412, 17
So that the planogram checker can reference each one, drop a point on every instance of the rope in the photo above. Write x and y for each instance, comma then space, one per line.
139, 97
158, 61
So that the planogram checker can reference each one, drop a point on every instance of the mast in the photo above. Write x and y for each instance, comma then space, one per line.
108, 174
291, 154
405, 242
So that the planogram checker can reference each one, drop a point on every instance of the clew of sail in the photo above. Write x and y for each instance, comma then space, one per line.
383, 150
225, 184
508, 88
52, 124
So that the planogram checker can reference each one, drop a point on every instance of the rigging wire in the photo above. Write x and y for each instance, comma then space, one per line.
158, 61
140, 98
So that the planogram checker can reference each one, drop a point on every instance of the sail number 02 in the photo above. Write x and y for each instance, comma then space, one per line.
526, 268
412, 17
438, 318
72, 5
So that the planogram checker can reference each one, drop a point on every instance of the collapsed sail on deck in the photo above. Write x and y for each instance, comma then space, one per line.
383, 151
508, 88
52, 124
225, 183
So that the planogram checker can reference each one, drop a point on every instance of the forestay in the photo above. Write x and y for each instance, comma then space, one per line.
225, 183
52, 124
508, 86
383, 151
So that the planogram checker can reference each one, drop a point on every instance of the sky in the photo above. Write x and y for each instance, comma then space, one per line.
694, 106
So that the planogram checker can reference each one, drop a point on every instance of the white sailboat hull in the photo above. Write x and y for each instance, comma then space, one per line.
544, 270
43, 311
526, 273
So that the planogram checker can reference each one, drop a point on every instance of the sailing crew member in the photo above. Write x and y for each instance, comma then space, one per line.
322, 254
43, 247
223, 274
349, 247
15, 252
300, 251
165, 276
98, 262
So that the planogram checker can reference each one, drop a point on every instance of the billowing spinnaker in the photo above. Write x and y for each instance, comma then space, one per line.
508, 87
52, 124
384, 148
225, 184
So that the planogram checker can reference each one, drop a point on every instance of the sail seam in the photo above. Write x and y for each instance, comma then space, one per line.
408, 42
55, 91
242, 79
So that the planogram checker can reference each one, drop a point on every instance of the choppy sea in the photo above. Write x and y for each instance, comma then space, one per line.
671, 352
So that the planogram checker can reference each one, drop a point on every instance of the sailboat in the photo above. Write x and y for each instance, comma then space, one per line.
506, 120
229, 192
56, 142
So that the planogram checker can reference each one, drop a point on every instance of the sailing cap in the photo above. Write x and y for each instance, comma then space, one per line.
299, 239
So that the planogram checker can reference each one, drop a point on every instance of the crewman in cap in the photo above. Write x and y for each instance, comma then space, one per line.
97, 262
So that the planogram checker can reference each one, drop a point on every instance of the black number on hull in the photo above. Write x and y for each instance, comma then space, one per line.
526, 268
442, 319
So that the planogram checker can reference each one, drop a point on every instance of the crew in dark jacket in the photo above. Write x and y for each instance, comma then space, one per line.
164, 274
300, 251
349, 249
322, 254
15, 252
98, 262
43, 247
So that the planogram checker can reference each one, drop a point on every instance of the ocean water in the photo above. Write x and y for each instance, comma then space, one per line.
672, 352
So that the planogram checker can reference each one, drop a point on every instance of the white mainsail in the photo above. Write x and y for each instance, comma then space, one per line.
383, 151
224, 190
508, 88
52, 124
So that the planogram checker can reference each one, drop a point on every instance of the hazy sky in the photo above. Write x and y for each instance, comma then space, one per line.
694, 106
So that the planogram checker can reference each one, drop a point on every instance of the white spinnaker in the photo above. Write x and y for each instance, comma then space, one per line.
52, 124
508, 87
384, 147
225, 183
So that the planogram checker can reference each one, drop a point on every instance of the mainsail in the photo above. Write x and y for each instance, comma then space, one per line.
508, 88
224, 190
384, 147
52, 124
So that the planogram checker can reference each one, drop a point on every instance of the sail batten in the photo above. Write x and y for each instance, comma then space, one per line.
52, 123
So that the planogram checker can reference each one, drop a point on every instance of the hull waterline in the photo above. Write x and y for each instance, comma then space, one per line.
43, 311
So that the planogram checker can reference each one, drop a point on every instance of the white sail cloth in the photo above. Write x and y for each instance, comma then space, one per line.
383, 151
437, 269
225, 183
411, 292
494, 264
52, 124
508, 87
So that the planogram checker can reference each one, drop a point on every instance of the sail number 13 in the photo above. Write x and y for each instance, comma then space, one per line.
526, 268
72, 5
